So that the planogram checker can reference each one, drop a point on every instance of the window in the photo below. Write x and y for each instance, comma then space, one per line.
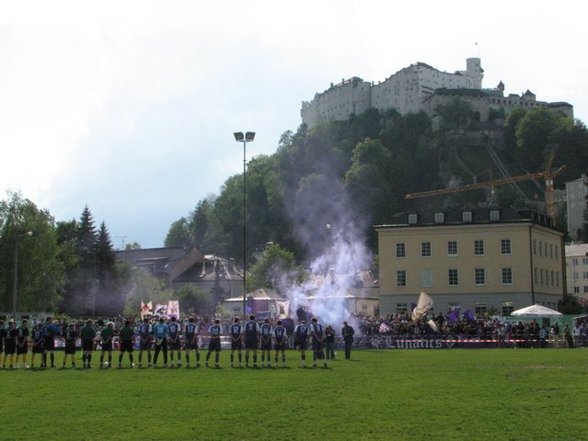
585, 275
551, 251
466, 216
505, 248
576, 290
401, 278
556, 279
452, 248
585, 260
575, 261
400, 250
507, 276
481, 309
426, 249
507, 308
576, 275
479, 247
541, 276
401, 308
540, 248
453, 277
536, 276
427, 278
412, 219
439, 218
534, 247
585, 289
480, 276
494, 215
556, 253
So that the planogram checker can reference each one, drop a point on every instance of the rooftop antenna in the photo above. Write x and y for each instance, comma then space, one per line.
122, 241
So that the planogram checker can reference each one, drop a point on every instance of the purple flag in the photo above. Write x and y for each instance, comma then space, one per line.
452, 316
469, 316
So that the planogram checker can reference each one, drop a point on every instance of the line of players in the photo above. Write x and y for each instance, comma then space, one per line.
163, 337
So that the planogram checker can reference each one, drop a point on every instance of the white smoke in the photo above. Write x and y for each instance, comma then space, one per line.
327, 224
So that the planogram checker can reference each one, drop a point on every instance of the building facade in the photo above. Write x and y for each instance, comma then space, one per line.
577, 270
576, 194
418, 87
484, 260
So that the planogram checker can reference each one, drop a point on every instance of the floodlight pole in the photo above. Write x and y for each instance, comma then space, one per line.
15, 280
244, 138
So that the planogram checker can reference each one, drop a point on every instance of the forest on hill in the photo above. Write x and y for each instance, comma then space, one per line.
363, 167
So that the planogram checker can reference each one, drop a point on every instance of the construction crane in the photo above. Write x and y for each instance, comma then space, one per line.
548, 175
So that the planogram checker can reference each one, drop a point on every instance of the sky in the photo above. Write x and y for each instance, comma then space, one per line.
129, 107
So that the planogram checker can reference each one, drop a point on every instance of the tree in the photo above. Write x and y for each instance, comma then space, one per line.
194, 300
178, 234
140, 286
276, 269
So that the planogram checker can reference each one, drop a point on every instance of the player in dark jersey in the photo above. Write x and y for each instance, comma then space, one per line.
173, 341
280, 341
236, 333
106, 336
191, 341
145, 341
251, 333
87, 334
317, 336
22, 343
50, 331
214, 333
37, 337
126, 340
265, 332
301, 340
10, 344
69, 336
2, 337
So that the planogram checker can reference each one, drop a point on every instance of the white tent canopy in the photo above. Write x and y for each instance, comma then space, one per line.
536, 311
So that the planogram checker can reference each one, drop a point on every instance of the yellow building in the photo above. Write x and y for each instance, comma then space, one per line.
486, 260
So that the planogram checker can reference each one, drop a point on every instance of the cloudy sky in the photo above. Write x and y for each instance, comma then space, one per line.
129, 107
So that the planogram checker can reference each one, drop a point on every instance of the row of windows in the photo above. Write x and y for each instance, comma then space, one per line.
543, 249
453, 249
577, 289
576, 261
546, 277
577, 275
453, 277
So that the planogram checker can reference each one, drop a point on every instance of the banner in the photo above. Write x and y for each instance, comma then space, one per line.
173, 309
146, 309
160, 310
423, 306
283, 308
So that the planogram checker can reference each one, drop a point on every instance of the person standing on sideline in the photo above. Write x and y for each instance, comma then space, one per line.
50, 330
330, 342
347, 332
174, 342
214, 333
317, 335
87, 334
251, 336
160, 333
37, 337
22, 343
106, 336
145, 341
191, 341
265, 331
236, 333
70, 336
301, 340
10, 344
2, 337
280, 339
126, 340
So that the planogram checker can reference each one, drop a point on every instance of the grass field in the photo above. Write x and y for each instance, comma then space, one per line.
488, 394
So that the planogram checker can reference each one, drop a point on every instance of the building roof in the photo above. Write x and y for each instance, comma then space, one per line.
580, 249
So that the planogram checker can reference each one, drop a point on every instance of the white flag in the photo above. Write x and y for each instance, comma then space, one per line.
173, 309
424, 305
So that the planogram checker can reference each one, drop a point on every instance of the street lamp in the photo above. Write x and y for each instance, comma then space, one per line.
248, 137
15, 282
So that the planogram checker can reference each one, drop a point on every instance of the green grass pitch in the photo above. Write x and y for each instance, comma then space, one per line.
488, 394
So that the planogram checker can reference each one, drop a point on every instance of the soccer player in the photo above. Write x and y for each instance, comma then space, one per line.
214, 333
280, 340
317, 336
50, 330
174, 342
330, 342
347, 332
301, 340
251, 332
126, 340
266, 331
236, 333
160, 332
22, 343
69, 336
10, 344
87, 334
145, 341
37, 337
191, 341
106, 336
2, 337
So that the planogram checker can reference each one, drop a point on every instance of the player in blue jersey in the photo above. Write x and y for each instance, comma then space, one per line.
160, 333
174, 342
236, 333
266, 332
191, 341
301, 340
214, 345
251, 334
280, 341
145, 341
317, 336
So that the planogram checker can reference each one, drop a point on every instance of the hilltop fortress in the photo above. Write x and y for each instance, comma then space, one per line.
417, 88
